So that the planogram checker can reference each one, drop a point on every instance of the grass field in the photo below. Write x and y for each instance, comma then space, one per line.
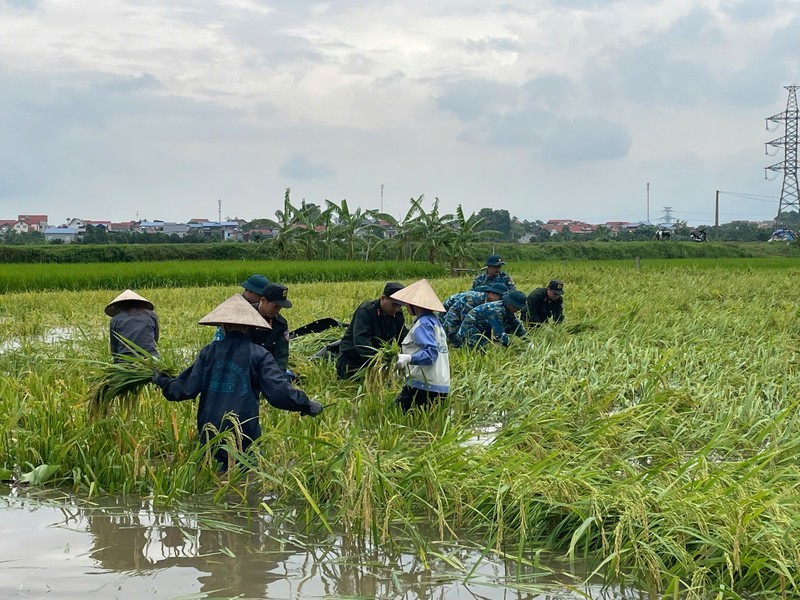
656, 431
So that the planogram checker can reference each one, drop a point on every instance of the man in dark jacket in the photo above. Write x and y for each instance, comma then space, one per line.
275, 340
544, 303
374, 323
229, 374
272, 298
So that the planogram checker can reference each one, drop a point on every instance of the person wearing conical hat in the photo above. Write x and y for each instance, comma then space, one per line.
133, 318
494, 274
229, 375
424, 356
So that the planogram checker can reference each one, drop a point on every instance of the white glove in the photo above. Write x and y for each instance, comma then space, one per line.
402, 360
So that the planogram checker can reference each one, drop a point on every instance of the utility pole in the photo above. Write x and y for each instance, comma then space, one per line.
716, 217
219, 211
648, 203
381, 197
790, 197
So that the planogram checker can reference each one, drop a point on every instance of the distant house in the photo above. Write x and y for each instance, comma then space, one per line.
78, 224
7, 225
104, 225
66, 235
35, 222
179, 229
125, 226
259, 233
151, 226
227, 230
21, 227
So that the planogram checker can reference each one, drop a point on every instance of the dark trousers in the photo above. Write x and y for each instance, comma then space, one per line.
348, 367
416, 397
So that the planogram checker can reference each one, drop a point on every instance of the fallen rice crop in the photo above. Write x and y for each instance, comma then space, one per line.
655, 433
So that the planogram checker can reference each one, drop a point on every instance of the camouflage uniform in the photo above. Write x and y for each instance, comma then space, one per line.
458, 309
489, 321
502, 277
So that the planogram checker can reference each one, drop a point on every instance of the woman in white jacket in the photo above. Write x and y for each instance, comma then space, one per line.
424, 356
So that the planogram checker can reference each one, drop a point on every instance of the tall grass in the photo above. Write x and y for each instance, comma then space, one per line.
660, 440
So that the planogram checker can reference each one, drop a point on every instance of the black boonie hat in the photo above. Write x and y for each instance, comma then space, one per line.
515, 298
556, 286
275, 292
495, 288
255, 283
494, 260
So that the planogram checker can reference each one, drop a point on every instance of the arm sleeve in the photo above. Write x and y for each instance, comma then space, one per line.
516, 328
281, 353
424, 336
499, 331
156, 329
558, 313
186, 385
510, 284
113, 340
362, 335
533, 311
277, 389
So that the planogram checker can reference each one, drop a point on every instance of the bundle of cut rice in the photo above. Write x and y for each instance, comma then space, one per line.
123, 381
380, 371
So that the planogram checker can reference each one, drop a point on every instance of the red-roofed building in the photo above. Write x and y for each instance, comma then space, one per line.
35, 222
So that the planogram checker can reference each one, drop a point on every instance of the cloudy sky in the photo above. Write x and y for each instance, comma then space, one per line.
118, 109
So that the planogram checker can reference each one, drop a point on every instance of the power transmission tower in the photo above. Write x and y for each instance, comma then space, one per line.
667, 216
790, 196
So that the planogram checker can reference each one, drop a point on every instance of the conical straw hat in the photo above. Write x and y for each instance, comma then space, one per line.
420, 293
126, 296
235, 311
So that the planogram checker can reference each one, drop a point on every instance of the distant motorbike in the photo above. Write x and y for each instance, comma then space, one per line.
782, 235
699, 235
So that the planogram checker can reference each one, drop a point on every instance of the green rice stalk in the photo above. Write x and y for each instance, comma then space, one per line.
123, 381
380, 372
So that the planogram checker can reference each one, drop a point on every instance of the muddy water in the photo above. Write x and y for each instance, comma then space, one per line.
55, 546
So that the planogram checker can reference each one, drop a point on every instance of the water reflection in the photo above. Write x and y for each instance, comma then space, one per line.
66, 547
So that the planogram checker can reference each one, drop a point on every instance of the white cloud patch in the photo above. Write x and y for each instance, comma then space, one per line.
116, 107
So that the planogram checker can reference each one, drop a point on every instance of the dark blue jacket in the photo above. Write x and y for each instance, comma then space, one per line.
229, 375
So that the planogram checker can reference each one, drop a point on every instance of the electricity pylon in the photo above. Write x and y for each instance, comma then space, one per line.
790, 195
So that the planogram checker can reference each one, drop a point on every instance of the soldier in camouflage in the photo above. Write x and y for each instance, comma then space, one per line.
463, 304
493, 321
493, 274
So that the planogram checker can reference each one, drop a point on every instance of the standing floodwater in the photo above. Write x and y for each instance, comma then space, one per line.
64, 547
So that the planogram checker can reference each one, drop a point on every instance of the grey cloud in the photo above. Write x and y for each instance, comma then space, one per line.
650, 74
89, 124
299, 167
583, 139
749, 10
24, 4
550, 90
489, 44
469, 99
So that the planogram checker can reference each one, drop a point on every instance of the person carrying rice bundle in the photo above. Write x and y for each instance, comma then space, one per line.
424, 356
229, 375
133, 318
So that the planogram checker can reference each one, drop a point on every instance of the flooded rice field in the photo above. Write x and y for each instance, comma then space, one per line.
61, 546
